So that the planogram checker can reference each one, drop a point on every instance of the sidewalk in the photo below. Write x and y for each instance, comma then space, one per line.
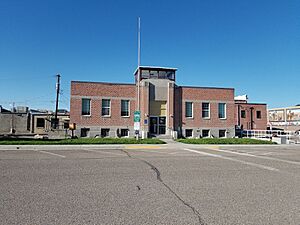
73, 147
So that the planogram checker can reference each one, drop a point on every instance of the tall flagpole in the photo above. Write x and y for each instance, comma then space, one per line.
139, 61
139, 74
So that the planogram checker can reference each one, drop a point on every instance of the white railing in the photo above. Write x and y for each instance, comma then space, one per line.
291, 136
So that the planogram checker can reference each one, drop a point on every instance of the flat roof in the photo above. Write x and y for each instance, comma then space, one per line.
155, 68
205, 87
289, 107
108, 83
250, 103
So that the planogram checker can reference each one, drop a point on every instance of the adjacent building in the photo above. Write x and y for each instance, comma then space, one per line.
166, 109
14, 121
22, 121
41, 122
285, 118
250, 116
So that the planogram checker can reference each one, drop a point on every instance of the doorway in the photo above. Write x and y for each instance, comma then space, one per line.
157, 125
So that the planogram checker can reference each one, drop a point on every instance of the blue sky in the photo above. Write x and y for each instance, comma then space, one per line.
251, 45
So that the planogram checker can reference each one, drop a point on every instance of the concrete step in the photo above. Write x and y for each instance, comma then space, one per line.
163, 136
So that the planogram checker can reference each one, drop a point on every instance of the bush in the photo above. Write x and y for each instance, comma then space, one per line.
79, 141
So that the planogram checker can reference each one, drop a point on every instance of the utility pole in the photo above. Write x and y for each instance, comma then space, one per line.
12, 129
55, 124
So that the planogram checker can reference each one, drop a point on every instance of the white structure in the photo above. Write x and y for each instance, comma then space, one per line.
287, 118
243, 98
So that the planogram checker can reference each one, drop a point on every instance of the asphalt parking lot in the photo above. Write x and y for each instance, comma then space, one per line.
150, 184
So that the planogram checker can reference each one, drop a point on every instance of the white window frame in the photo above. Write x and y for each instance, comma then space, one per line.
90, 106
225, 109
189, 117
206, 118
106, 107
128, 107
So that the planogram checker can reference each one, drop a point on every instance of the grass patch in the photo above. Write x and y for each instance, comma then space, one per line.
224, 141
79, 141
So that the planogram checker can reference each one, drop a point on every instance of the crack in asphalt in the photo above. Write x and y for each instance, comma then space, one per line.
158, 177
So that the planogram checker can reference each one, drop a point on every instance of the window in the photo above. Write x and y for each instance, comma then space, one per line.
40, 122
54, 123
188, 133
222, 110
222, 133
84, 132
104, 132
105, 107
171, 75
258, 114
124, 133
205, 133
205, 110
153, 74
189, 109
145, 74
243, 114
125, 108
66, 125
162, 74
86, 107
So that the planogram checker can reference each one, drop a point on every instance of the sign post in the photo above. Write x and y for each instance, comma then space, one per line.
137, 121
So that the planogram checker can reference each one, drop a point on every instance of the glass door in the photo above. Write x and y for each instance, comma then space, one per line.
153, 124
162, 125
157, 125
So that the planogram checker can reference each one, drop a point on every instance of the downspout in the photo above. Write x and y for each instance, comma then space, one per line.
251, 118
239, 116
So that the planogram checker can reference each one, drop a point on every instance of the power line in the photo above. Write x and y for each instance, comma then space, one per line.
64, 96
26, 77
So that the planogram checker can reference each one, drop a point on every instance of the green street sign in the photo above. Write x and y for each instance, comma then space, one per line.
137, 116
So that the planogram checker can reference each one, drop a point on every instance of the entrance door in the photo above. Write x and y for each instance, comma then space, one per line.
162, 125
153, 124
157, 124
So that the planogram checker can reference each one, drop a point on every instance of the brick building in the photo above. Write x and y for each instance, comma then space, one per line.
106, 109
250, 116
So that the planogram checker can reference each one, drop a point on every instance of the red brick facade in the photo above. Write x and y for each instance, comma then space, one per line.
96, 92
213, 96
162, 89
251, 116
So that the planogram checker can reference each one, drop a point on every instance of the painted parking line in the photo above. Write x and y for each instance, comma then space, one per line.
266, 153
148, 151
104, 152
257, 156
233, 159
50, 153
143, 147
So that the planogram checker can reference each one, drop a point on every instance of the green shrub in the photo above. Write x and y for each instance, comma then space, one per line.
79, 141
